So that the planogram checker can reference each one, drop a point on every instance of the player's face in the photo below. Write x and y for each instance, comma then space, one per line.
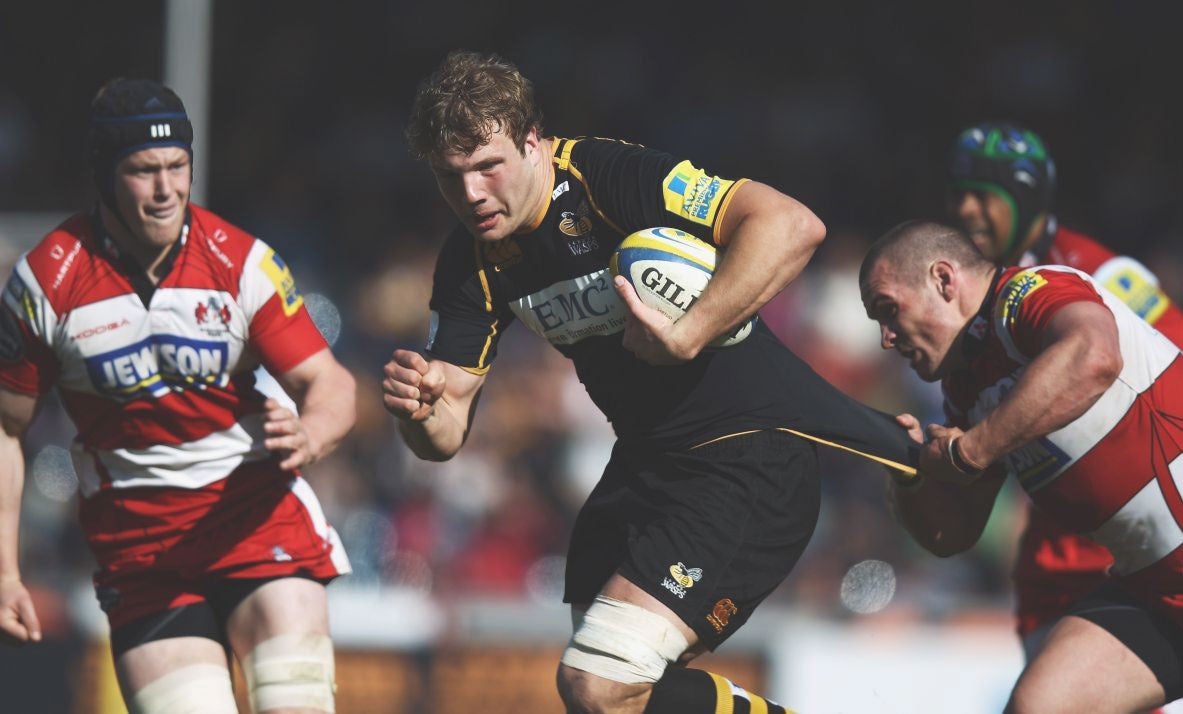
494, 191
152, 193
986, 217
913, 320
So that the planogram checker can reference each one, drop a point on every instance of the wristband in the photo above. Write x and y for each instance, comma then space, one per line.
958, 461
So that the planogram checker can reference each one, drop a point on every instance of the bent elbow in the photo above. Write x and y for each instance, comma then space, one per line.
1101, 369
811, 228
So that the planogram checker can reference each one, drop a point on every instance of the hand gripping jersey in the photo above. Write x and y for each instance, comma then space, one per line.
1110, 474
1055, 567
555, 280
158, 381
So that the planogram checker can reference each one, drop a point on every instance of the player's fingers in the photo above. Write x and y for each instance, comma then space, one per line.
936, 431
628, 294
411, 360
294, 460
403, 375
401, 407
432, 384
28, 616
907, 421
12, 629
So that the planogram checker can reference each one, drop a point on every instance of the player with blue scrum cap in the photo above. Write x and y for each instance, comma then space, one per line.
149, 315
1002, 186
706, 503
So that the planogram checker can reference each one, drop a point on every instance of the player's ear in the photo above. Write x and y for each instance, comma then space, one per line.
945, 277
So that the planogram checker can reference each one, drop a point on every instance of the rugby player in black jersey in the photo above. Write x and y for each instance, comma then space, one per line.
707, 502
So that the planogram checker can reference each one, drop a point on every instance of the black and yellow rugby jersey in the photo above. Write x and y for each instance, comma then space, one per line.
555, 280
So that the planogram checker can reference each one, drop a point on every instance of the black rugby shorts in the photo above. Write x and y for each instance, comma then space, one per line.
709, 532
1155, 638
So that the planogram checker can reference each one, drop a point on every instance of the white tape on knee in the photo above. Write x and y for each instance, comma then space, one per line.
624, 643
195, 689
291, 671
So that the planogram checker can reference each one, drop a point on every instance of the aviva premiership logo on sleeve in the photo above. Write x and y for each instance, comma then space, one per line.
154, 366
692, 194
285, 285
1017, 289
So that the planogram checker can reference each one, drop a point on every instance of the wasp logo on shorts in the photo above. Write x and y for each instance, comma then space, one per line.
689, 192
721, 614
158, 364
683, 579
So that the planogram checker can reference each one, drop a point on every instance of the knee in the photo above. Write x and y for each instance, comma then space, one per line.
1033, 697
291, 672
585, 693
615, 655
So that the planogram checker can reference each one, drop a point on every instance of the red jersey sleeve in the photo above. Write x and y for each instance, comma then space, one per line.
281, 331
1028, 300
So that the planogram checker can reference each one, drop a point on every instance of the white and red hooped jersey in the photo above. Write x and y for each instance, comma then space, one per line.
1113, 474
1054, 567
162, 394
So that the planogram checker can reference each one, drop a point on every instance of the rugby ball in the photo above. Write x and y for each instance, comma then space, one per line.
669, 269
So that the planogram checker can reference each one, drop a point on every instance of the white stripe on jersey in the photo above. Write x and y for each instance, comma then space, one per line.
1146, 354
1144, 529
320, 524
190, 465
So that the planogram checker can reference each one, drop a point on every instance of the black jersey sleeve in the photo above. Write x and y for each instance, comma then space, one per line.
634, 188
466, 323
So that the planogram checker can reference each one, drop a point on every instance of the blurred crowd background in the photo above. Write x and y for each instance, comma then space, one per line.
848, 106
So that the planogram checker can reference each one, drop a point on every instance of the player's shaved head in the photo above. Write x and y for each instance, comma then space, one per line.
909, 248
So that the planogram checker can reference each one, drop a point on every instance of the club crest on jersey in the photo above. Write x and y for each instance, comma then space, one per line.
692, 194
721, 613
212, 312
159, 364
213, 316
285, 285
1016, 291
576, 223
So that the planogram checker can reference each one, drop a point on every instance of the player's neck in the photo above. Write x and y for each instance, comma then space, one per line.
544, 172
148, 255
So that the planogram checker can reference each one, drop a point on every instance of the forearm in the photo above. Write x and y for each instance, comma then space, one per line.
439, 436
12, 479
764, 252
943, 518
1059, 386
327, 410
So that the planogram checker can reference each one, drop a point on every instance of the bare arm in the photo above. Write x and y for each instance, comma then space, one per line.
1080, 359
434, 401
18, 621
767, 239
945, 518
325, 395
